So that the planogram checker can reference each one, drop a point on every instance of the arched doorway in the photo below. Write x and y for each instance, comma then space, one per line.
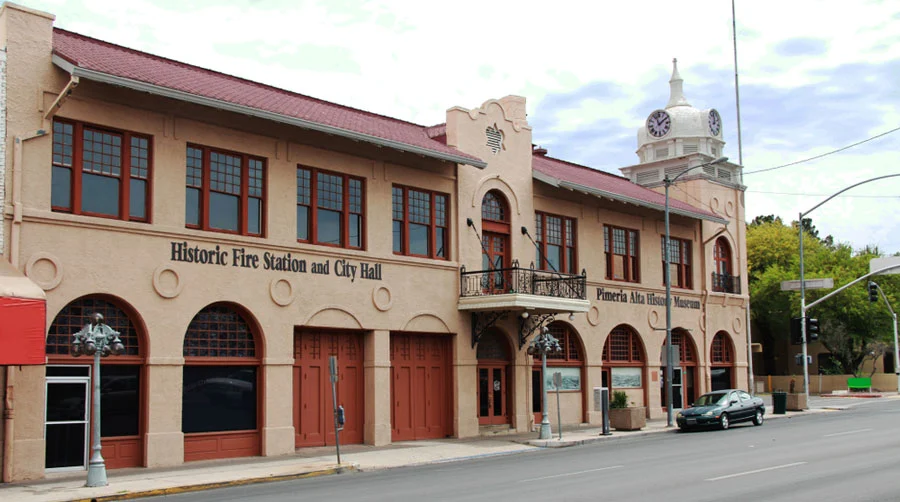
721, 362
69, 384
570, 364
493, 355
496, 252
684, 375
220, 414
623, 363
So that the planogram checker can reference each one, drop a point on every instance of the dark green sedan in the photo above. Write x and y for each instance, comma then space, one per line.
722, 408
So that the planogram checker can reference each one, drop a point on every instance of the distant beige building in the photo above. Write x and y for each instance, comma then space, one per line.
236, 235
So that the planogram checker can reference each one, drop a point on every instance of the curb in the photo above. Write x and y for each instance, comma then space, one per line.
218, 484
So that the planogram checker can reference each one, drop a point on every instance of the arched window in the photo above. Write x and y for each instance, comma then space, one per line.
623, 347
76, 315
221, 382
722, 352
721, 362
686, 353
493, 208
121, 407
722, 279
571, 353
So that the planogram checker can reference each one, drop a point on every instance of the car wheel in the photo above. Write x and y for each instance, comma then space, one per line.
684, 429
758, 418
723, 422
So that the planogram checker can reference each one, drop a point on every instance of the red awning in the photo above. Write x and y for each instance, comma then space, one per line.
23, 318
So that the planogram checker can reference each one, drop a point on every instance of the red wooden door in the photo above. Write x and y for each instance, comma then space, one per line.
492, 396
313, 407
420, 392
495, 256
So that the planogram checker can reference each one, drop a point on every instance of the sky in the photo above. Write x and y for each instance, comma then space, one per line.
814, 76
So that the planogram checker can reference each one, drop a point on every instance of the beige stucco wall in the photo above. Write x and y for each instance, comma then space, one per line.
71, 256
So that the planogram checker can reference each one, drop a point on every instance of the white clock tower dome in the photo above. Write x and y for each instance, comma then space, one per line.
679, 129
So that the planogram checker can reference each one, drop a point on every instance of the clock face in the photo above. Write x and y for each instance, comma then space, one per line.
715, 123
658, 123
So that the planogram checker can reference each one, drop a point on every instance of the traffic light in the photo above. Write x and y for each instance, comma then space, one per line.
873, 292
812, 329
796, 338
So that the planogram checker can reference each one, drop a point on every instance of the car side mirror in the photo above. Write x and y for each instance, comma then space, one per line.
734, 401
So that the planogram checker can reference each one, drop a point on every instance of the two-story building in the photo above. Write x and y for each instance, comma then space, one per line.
236, 236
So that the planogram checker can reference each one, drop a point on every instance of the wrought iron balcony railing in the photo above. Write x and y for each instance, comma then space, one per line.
517, 280
726, 283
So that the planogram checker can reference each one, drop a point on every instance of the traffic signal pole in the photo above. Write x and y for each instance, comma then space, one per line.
875, 286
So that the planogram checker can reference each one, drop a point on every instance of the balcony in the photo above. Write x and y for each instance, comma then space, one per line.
722, 283
518, 288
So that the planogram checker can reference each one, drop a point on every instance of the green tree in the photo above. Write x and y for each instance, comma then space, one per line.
850, 324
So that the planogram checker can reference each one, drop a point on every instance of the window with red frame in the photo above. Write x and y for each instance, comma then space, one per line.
623, 346
420, 222
224, 191
330, 208
621, 247
722, 353
570, 355
679, 262
555, 237
100, 172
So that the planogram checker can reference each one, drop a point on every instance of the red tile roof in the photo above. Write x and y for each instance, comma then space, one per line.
612, 184
103, 57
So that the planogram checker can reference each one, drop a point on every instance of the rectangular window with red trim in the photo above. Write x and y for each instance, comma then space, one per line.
555, 238
330, 208
679, 262
420, 226
225, 191
100, 172
622, 259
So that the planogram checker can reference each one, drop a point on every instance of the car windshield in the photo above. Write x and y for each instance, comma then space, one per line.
711, 399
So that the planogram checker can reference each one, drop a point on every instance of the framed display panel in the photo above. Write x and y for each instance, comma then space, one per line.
626, 378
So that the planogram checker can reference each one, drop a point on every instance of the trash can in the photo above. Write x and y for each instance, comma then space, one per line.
779, 402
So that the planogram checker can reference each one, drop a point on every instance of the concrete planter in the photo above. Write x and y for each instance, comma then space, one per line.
628, 419
796, 402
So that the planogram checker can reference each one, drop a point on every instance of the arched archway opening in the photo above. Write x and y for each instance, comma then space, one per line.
570, 364
624, 362
221, 397
494, 362
721, 362
122, 388
684, 374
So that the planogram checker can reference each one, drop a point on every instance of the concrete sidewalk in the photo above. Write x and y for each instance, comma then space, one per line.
307, 462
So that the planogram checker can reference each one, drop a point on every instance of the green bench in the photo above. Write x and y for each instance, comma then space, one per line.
859, 383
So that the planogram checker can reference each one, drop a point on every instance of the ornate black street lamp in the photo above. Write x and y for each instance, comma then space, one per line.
96, 339
543, 344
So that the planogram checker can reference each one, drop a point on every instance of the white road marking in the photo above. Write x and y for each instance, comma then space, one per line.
844, 433
756, 471
575, 473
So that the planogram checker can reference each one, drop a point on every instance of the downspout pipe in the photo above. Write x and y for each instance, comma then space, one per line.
16, 231
8, 424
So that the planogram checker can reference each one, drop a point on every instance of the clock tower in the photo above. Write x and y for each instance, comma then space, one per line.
679, 136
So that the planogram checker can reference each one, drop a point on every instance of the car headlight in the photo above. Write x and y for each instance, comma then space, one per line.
680, 415
708, 414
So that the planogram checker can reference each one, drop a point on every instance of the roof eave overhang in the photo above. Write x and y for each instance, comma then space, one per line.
555, 182
136, 85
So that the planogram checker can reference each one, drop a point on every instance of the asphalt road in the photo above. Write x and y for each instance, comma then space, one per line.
851, 455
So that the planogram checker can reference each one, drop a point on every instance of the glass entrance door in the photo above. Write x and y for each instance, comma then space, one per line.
677, 387
492, 396
66, 425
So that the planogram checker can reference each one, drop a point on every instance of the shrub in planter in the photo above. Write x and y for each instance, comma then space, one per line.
623, 417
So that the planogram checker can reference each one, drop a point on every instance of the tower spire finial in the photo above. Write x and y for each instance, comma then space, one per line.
676, 93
